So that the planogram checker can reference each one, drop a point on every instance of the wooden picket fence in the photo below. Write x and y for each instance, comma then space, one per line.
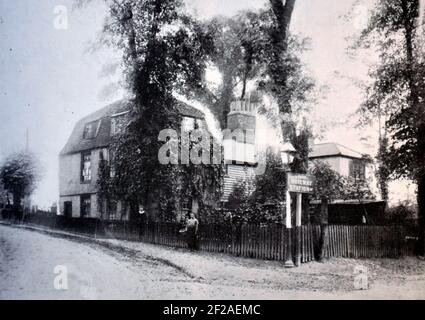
371, 241
266, 241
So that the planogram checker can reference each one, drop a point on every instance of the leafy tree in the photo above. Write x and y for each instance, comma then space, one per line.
383, 173
256, 46
271, 185
278, 68
163, 52
3, 195
19, 174
402, 214
328, 186
397, 87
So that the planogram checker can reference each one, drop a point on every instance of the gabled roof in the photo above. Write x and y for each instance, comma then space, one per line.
76, 143
332, 149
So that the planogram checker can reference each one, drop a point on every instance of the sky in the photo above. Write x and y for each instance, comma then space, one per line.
49, 77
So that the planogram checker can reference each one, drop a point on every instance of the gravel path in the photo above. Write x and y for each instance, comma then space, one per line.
115, 269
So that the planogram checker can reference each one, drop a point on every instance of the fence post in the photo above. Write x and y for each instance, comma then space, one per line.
298, 230
289, 263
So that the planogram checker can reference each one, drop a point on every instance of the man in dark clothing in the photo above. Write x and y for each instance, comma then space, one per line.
192, 232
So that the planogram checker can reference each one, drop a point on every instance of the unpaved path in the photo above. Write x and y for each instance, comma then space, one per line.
114, 269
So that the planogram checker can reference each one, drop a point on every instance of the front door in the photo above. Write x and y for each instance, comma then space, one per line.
68, 209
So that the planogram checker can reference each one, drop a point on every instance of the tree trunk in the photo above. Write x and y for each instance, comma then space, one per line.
421, 191
418, 113
324, 229
278, 74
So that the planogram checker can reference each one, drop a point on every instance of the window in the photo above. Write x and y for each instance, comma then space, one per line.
85, 206
111, 163
198, 124
185, 207
118, 123
90, 130
188, 124
112, 210
86, 167
357, 169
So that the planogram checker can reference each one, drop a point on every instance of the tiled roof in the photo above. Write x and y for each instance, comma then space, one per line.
76, 143
332, 149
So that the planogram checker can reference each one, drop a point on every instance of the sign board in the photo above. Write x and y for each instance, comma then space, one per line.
300, 183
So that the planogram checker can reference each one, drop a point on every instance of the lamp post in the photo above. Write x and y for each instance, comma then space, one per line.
287, 155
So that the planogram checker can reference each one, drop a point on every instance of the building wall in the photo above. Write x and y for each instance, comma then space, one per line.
70, 186
70, 174
76, 206
235, 174
334, 162
344, 166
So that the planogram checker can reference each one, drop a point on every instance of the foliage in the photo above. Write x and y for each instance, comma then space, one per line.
19, 174
403, 214
356, 189
397, 88
163, 52
246, 208
383, 172
3, 195
300, 140
328, 184
255, 47
271, 185
259, 199
167, 51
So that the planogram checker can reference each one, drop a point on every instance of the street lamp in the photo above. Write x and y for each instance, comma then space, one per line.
287, 154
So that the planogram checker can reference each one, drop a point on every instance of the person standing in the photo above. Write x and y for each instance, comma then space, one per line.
192, 232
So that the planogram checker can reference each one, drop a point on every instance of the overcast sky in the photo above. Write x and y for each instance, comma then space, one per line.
49, 80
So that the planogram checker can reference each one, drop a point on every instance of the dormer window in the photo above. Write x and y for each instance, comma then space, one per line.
119, 122
189, 124
90, 130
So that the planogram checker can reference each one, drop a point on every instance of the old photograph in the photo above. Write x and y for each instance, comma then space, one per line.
186, 150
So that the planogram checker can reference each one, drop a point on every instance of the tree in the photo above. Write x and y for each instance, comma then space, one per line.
164, 52
397, 87
271, 185
3, 195
256, 47
328, 186
260, 199
278, 67
19, 174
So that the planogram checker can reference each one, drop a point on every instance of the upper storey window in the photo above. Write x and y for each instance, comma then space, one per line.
190, 124
357, 169
90, 130
86, 167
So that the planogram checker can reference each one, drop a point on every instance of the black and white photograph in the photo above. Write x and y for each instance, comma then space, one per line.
233, 150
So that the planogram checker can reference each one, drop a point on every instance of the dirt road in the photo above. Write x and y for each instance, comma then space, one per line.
113, 269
